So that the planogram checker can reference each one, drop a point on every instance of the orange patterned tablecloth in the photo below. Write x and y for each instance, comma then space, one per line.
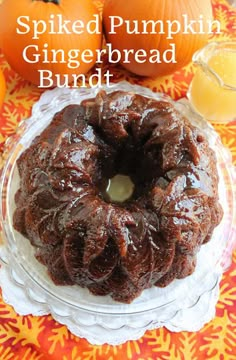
33, 338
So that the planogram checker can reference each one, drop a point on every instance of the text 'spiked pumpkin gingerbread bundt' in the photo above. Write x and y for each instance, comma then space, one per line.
118, 248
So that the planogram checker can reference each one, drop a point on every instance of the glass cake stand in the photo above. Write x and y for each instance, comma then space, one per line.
75, 306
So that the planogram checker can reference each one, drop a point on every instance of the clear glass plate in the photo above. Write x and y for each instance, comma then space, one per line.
76, 303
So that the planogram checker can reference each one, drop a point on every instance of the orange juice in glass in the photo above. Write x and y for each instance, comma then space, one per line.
212, 92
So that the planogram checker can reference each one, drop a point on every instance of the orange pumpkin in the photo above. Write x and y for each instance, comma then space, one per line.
163, 10
2, 88
17, 33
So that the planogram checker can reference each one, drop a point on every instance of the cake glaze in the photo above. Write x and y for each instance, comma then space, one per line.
110, 248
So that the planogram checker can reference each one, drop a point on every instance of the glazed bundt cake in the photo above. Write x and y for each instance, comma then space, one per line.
85, 238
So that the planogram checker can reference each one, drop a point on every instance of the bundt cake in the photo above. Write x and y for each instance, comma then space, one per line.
110, 247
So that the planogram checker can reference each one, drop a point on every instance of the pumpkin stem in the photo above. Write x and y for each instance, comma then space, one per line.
57, 2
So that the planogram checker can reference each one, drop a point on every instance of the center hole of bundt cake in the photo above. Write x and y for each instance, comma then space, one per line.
127, 175
119, 188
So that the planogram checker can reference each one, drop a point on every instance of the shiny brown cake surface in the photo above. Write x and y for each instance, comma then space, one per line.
118, 248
